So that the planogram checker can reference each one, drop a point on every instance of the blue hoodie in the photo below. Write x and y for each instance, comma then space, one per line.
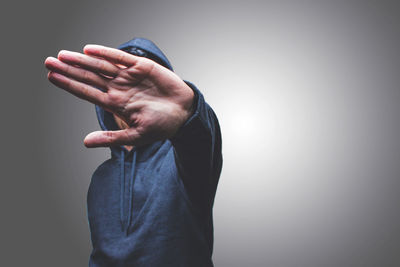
152, 206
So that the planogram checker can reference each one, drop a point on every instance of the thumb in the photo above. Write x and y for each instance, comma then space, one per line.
112, 138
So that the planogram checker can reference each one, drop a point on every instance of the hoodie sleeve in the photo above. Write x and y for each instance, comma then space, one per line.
197, 146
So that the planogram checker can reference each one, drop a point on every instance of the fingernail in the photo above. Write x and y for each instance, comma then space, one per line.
89, 47
48, 60
64, 54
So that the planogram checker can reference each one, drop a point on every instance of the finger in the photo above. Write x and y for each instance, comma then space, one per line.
87, 62
128, 136
111, 54
79, 89
76, 73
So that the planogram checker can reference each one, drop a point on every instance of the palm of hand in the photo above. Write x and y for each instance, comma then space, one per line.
150, 99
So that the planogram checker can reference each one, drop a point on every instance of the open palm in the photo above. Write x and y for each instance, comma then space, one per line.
152, 100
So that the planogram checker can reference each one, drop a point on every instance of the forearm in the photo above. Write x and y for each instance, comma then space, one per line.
198, 142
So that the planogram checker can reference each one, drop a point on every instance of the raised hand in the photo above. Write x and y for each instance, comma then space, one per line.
148, 97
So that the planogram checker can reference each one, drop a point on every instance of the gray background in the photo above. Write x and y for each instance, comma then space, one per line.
307, 95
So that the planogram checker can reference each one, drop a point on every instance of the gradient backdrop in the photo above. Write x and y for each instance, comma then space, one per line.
307, 93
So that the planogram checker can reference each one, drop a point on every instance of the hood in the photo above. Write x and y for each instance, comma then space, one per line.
146, 48
138, 47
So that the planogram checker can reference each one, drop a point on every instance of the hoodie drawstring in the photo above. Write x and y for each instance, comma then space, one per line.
132, 180
126, 222
122, 181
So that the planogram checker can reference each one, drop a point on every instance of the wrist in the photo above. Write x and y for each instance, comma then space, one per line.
189, 104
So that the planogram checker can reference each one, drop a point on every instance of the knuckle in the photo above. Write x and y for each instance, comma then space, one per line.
86, 75
85, 91
68, 68
104, 99
113, 102
121, 58
142, 68
110, 137
102, 65
99, 64
147, 66
79, 59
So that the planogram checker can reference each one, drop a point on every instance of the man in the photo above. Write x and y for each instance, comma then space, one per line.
151, 203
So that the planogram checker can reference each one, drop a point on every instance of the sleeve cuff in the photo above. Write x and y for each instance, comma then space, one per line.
195, 125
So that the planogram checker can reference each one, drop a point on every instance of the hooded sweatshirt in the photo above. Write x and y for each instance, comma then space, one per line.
152, 206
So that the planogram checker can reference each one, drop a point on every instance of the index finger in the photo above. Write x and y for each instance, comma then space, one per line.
111, 54
87, 62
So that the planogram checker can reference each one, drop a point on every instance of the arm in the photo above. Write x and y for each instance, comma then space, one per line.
197, 146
